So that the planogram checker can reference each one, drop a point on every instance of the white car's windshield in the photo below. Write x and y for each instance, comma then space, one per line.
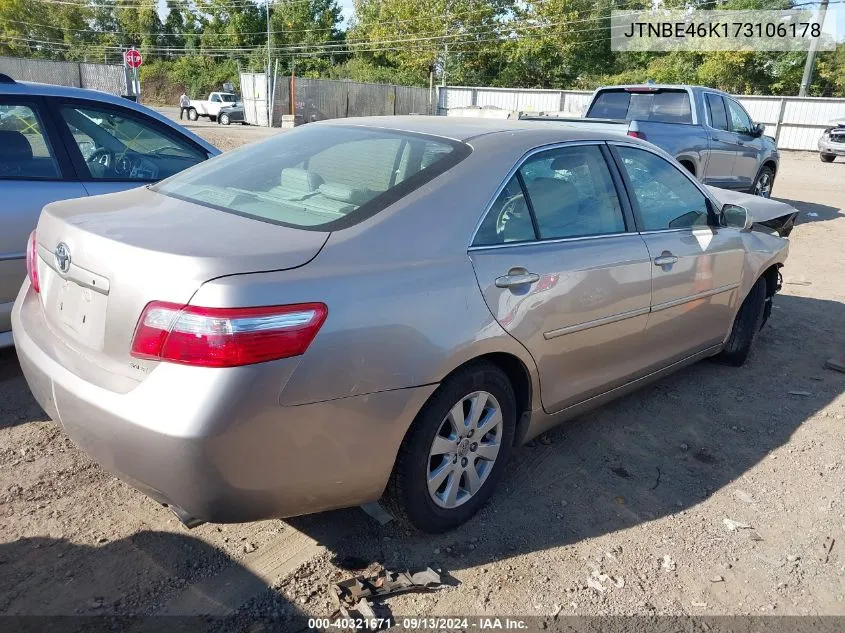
317, 176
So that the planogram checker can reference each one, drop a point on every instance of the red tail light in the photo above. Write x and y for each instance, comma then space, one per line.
225, 337
634, 130
32, 262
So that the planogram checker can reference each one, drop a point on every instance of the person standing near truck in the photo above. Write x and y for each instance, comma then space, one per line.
184, 105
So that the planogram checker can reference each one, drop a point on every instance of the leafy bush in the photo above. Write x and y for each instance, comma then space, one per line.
164, 81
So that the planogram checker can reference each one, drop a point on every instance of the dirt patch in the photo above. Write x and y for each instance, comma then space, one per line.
619, 512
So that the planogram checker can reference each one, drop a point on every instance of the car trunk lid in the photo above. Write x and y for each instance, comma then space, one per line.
102, 259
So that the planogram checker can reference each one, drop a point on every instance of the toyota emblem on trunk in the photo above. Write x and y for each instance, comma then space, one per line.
62, 254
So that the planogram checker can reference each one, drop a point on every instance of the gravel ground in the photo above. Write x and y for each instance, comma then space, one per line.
715, 491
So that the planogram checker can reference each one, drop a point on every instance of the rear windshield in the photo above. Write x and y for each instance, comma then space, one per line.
321, 177
661, 106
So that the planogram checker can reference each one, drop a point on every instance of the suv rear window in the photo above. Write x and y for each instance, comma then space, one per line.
660, 106
321, 177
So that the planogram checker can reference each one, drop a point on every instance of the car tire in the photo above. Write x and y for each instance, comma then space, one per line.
193, 115
764, 183
827, 158
409, 495
224, 119
747, 323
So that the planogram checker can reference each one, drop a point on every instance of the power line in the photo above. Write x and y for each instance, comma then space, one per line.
503, 31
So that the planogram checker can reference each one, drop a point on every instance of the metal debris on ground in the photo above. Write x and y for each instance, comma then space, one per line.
383, 584
733, 526
377, 512
799, 392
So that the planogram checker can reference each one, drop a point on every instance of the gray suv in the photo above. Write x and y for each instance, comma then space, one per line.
58, 143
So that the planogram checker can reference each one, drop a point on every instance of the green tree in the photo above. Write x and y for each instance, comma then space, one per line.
313, 27
459, 38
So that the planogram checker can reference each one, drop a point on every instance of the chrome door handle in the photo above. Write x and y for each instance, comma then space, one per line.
520, 279
665, 260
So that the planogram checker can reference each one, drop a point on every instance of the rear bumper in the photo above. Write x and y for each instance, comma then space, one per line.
829, 147
216, 442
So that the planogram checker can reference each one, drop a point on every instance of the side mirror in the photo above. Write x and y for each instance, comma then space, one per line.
736, 217
757, 130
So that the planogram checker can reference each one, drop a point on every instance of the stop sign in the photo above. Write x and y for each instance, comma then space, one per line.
133, 58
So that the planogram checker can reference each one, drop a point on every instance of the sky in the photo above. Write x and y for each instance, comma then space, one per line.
346, 5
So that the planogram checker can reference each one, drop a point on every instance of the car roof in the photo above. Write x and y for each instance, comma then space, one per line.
31, 88
468, 128
664, 87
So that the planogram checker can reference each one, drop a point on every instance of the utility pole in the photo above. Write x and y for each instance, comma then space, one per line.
445, 45
811, 54
269, 49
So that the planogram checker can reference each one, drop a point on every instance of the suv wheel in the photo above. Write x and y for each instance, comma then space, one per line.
827, 158
764, 183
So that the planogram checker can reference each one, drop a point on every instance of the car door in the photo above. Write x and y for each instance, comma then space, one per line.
723, 143
696, 267
115, 148
563, 271
750, 147
215, 102
34, 171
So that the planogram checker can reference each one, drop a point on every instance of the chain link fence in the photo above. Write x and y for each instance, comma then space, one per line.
74, 74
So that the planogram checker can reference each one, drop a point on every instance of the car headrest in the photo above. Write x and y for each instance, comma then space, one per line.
569, 162
295, 179
344, 193
14, 146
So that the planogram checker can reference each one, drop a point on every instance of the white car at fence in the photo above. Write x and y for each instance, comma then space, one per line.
210, 107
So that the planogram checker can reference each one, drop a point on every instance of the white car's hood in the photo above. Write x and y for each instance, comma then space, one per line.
775, 215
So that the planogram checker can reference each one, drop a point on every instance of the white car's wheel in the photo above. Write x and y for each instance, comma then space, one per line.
193, 115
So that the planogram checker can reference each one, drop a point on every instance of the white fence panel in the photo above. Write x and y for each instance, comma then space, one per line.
576, 102
762, 109
489, 98
538, 100
448, 98
254, 95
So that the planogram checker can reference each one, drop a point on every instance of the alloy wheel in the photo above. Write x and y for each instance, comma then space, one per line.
464, 449
763, 186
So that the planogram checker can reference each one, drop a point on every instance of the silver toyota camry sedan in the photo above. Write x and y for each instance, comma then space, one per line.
380, 308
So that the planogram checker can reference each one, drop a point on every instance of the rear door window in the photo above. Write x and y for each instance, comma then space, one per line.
323, 177
716, 109
566, 192
572, 193
660, 106
25, 150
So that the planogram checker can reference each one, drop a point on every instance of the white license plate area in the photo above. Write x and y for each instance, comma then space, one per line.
80, 311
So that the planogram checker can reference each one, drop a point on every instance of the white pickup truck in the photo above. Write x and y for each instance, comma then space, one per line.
210, 107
